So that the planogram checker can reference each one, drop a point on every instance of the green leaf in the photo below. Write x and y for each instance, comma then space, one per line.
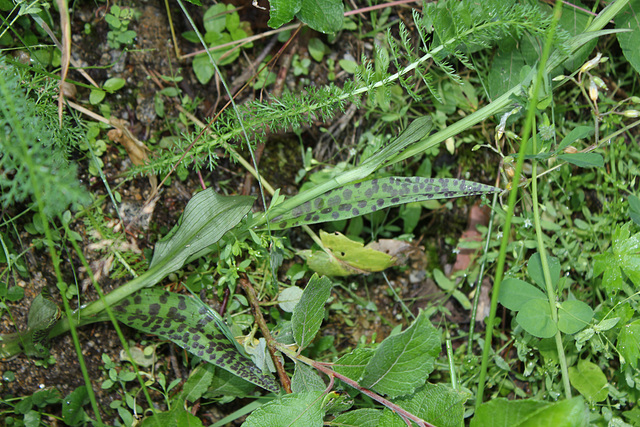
309, 313
373, 195
282, 11
203, 68
207, 217
623, 256
531, 413
403, 362
317, 49
96, 96
634, 208
515, 294
291, 410
579, 132
534, 268
289, 298
574, 316
359, 418
325, 16
225, 383
306, 379
629, 18
198, 382
535, 318
215, 19
589, 380
352, 365
629, 343
508, 63
583, 160
437, 404
72, 412
346, 256
43, 315
113, 84
192, 325
177, 416
575, 21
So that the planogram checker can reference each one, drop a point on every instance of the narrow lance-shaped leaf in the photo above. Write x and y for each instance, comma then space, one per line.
418, 129
369, 196
192, 325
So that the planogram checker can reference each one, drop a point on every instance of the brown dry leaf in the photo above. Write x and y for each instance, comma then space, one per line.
398, 249
477, 216
136, 150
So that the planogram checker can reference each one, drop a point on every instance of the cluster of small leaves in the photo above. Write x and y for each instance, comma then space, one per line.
34, 145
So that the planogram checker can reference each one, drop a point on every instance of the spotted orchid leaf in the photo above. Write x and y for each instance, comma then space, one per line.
192, 325
364, 197
417, 130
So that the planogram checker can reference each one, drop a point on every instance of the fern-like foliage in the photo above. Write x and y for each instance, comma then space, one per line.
445, 30
33, 147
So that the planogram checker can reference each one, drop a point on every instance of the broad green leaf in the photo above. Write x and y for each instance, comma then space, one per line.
589, 380
325, 16
337, 401
224, 383
282, 11
574, 316
72, 412
373, 195
207, 217
352, 365
309, 313
177, 416
346, 256
515, 293
579, 132
629, 19
113, 84
215, 18
629, 343
622, 256
198, 382
534, 268
43, 315
535, 318
634, 208
289, 298
575, 21
402, 362
531, 413
583, 160
437, 404
359, 418
506, 66
305, 378
192, 325
291, 410
202, 68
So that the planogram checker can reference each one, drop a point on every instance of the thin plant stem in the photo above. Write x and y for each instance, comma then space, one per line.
528, 126
271, 342
476, 298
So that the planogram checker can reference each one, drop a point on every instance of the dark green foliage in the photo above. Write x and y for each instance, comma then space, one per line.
34, 147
